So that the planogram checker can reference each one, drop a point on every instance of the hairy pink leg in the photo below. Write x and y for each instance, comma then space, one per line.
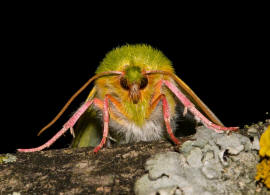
166, 116
69, 124
188, 105
106, 124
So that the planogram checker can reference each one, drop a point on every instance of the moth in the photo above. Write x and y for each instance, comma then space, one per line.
134, 98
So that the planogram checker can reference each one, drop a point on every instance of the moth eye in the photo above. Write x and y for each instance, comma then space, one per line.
123, 83
144, 83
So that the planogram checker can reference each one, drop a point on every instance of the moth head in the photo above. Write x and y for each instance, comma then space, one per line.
133, 80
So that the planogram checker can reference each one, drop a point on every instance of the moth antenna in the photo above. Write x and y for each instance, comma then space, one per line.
75, 95
198, 101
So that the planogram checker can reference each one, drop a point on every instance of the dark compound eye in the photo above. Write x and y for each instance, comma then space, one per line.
123, 83
144, 83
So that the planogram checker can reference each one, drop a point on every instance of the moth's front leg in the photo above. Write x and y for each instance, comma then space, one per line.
166, 115
69, 124
105, 109
105, 124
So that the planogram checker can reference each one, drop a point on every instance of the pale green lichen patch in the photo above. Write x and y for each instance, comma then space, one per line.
209, 163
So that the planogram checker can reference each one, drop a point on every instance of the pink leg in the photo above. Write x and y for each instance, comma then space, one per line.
188, 105
106, 124
69, 124
166, 116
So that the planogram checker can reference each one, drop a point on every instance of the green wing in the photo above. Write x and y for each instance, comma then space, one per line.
88, 131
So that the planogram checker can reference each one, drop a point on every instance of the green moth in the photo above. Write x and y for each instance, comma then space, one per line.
134, 98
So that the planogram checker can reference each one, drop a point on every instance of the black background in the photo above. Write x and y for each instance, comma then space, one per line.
47, 58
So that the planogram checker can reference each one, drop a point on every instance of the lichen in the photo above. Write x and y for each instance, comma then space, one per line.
263, 172
265, 143
209, 163
263, 168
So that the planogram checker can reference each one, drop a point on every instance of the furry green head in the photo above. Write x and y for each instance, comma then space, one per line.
133, 61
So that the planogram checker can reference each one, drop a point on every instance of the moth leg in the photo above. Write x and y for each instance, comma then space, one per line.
105, 123
69, 124
166, 115
118, 106
199, 116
